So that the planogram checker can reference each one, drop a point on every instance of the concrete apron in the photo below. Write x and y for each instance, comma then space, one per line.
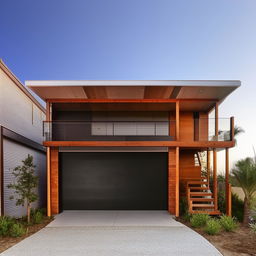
114, 219
114, 233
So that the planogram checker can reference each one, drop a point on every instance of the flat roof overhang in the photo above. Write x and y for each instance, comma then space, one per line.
204, 92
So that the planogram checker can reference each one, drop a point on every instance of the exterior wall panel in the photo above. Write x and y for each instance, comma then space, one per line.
14, 153
17, 112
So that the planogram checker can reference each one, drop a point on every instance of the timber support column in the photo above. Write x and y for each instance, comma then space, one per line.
173, 181
54, 180
49, 182
177, 121
208, 165
228, 186
215, 182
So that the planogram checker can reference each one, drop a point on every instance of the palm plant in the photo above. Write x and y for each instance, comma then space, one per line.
237, 130
245, 175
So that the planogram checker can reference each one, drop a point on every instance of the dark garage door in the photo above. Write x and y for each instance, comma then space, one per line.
113, 181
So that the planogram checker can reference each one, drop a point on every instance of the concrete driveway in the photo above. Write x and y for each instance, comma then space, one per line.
98, 233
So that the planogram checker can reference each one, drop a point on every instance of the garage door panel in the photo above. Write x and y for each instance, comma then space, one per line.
114, 181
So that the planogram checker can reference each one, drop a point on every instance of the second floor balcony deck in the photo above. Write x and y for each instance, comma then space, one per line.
201, 129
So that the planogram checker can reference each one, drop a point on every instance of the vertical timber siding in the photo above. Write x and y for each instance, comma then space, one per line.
54, 180
173, 181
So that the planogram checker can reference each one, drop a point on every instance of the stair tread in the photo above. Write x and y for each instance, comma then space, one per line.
199, 188
195, 182
195, 195
206, 212
203, 205
194, 199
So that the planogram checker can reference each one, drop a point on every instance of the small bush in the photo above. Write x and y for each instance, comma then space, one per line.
228, 223
5, 225
186, 217
253, 227
221, 202
212, 227
183, 206
38, 217
199, 220
237, 207
17, 230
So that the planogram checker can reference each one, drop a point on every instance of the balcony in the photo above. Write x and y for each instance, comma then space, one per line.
192, 133
109, 131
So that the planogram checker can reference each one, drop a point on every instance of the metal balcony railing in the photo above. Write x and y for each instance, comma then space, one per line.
203, 129
109, 130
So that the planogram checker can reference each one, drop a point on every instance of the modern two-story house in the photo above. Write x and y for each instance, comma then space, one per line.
134, 145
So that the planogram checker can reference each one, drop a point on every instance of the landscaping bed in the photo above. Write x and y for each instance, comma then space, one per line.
8, 241
241, 241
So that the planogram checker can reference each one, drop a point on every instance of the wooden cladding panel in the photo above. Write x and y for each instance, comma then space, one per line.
186, 126
54, 180
203, 127
173, 181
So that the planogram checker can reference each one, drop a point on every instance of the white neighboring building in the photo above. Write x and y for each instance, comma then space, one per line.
21, 117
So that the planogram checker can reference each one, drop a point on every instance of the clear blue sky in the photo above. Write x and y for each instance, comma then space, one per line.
137, 39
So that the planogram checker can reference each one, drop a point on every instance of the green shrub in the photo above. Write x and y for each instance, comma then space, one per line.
38, 217
221, 202
17, 230
187, 216
253, 227
183, 206
212, 227
228, 223
5, 225
199, 220
237, 207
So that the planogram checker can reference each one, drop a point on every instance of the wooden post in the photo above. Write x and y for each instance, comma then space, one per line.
215, 182
49, 181
54, 189
172, 127
217, 120
173, 181
177, 120
177, 213
232, 128
228, 187
208, 165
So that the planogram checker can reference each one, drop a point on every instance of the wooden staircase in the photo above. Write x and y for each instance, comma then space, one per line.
200, 197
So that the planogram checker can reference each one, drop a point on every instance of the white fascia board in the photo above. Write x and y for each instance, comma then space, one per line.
221, 83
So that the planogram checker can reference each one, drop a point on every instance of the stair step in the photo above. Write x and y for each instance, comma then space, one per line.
195, 182
206, 212
200, 194
198, 179
203, 205
193, 199
199, 188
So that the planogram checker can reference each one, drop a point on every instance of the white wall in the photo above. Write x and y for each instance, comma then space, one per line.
133, 126
14, 153
18, 112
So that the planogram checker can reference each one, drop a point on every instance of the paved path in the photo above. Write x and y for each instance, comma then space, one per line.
119, 233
